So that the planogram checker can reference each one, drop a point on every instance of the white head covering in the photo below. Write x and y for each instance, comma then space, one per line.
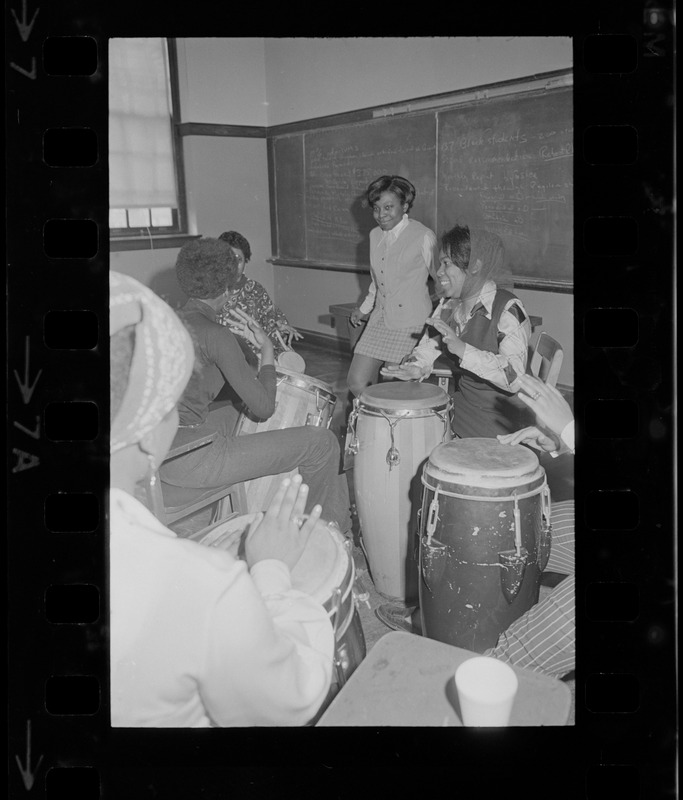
163, 359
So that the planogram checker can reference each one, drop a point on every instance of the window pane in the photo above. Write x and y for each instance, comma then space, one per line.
138, 217
117, 218
162, 217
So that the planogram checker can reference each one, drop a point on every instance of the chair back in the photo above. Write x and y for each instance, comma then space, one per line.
546, 359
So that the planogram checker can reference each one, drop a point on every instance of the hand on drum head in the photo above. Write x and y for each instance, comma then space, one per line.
403, 372
289, 332
279, 532
532, 436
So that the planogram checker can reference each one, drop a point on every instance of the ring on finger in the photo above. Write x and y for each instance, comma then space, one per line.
298, 521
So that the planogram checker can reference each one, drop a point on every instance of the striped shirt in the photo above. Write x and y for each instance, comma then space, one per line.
544, 639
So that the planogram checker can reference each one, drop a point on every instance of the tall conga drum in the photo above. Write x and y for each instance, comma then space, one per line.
484, 540
326, 572
392, 429
300, 400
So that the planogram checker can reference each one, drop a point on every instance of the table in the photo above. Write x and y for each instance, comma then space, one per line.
406, 680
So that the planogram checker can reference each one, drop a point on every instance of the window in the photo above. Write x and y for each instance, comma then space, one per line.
146, 185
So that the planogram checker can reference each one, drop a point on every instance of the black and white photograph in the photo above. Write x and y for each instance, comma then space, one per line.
342, 381
341, 375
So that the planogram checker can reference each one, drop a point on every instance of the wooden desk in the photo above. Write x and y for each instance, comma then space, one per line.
406, 680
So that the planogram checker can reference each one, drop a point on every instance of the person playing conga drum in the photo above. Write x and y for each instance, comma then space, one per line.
206, 270
198, 638
484, 331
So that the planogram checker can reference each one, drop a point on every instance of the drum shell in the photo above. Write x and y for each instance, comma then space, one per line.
300, 400
387, 499
350, 648
461, 596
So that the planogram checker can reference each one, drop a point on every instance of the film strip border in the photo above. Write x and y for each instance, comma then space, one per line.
58, 400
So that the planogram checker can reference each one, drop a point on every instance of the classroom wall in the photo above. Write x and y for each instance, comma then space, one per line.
223, 81
314, 77
311, 78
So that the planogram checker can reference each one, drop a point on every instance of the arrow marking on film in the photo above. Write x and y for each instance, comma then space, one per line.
27, 774
24, 29
31, 74
25, 387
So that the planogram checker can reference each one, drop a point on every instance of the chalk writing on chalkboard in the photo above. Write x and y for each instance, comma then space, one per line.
503, 163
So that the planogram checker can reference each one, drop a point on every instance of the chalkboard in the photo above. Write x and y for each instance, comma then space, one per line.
504, 163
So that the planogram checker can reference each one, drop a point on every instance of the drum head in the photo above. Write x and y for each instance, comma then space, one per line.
291, 361
303, 381
482, 462
323, 563
403, 395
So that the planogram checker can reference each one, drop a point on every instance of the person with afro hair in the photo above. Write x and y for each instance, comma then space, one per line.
207, 272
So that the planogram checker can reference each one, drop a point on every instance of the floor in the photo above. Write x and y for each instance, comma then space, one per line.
331, 366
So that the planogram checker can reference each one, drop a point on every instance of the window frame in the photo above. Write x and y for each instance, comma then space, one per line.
176, 236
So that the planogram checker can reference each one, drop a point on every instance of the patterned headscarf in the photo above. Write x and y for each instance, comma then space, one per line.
163, 359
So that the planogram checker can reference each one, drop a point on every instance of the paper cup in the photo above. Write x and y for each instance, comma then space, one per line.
486, 691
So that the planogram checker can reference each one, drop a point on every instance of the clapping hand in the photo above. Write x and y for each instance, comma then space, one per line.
282, 531
551, 409
242, 324
454, 344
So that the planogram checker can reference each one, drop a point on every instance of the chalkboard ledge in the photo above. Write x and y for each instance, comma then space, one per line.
328, 266
537, 284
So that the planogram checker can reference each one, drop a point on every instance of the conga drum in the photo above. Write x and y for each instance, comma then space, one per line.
300, 400
484, 540
393, 427
325, 571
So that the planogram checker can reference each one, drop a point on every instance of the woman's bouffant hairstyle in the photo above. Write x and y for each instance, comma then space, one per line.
456, 244
235, 239
402, 188
206, 268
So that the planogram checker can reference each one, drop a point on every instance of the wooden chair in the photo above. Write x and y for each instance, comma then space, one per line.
546, 359
170, 504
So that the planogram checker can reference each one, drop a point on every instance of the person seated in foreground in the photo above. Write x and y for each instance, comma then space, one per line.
484, 329
198, 638
207, 271
544, 638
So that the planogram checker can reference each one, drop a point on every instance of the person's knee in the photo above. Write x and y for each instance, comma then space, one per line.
322, 444
356, 382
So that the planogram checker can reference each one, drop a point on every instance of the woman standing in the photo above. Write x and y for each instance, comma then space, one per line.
484, 328
401, 258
